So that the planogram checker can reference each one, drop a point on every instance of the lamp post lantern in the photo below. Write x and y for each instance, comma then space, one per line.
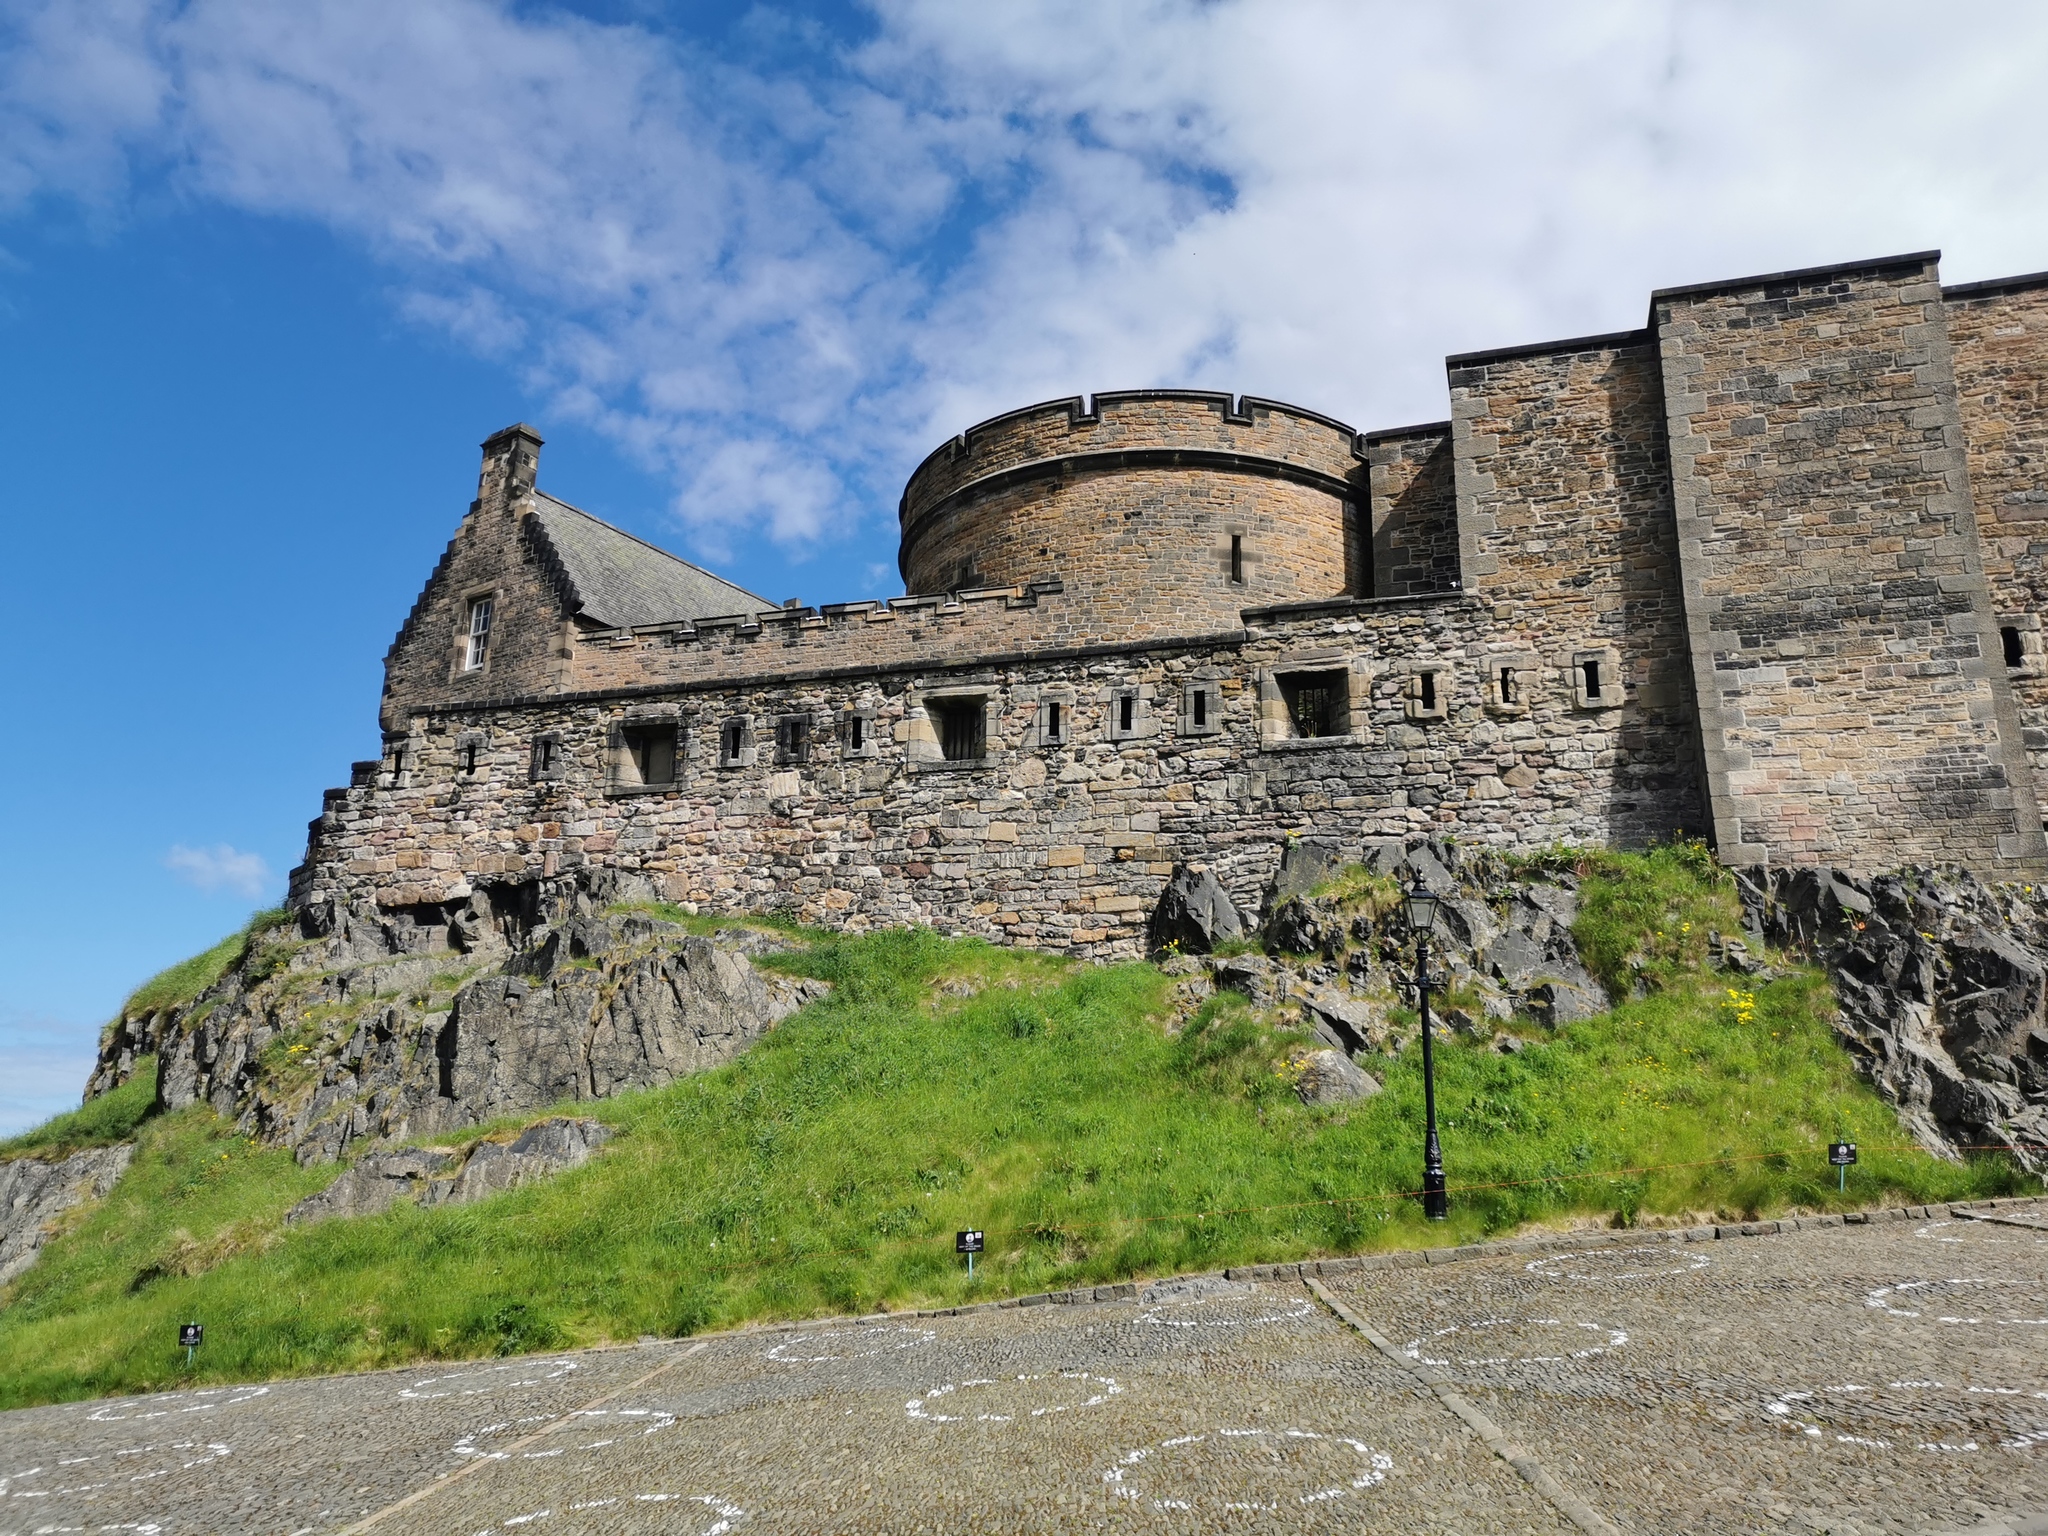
1421, 906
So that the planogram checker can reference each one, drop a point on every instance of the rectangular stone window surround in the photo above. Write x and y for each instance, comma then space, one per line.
642, 747
792, 740
484, 601
857, 732
1426, 694
550, 758
470, 748
928, 715
2019, 637
401, 756
1511, 682
1353, 674
1596, 678
1127, 711
1201, 706
1053, 724
736, 742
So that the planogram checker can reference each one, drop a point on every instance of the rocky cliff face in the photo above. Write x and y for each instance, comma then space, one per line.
34, 1193
423, 1024
1942, 979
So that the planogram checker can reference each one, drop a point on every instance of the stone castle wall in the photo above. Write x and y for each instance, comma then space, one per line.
1064, 846
1143, 495
1850, 693
1998, 333
1769, 568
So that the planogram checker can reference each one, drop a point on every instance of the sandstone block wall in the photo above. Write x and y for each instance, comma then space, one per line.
1142, 499
1751, 569
1851, 705
1998, 333
1414, 511
1564, 516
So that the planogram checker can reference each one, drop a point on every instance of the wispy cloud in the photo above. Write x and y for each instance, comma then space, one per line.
46, 1065
220, 868
781, 284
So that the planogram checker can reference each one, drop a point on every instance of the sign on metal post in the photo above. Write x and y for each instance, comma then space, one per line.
189, 1337
968, 1243
1842, 1154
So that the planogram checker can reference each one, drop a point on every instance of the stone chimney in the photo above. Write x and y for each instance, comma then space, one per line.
511, 462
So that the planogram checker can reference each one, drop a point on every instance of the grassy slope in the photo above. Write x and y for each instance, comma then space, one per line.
110, 1118
829, 1167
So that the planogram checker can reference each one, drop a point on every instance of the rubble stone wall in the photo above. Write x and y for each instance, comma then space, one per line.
1059, 844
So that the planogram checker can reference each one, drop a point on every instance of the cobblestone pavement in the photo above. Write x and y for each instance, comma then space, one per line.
1891, 1377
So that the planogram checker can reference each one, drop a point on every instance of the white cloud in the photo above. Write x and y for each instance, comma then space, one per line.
220, 868
782, 286
46, 1064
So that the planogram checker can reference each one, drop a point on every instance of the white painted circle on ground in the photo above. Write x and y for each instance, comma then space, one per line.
107, 1470
1247, 1311
490, 1378
1009, 1399
1491, 1342
1246, 1471
165, 1404
1619, 1264
1977, 1234
848, 1343
687, 1514
1970, 1302
1917, 1415
587, 1429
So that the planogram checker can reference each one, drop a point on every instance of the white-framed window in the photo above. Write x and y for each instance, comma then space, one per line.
477, 647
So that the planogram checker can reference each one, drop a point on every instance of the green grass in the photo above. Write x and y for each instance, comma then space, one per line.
188, 978
947, 1084
107, 1119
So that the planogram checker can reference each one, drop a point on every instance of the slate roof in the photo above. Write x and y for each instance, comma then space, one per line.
616, 580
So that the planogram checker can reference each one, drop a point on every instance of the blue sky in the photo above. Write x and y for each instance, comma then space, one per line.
269, 273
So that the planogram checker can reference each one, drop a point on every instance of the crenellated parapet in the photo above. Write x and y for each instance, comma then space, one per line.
1147, 504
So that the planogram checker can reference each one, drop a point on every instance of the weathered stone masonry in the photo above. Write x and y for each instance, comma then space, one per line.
1768, 569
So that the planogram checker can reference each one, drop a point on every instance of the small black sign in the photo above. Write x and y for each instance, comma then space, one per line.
1841, 1154
189, 1335
967, 1242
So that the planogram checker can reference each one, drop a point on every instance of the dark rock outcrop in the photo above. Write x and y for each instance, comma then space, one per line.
422, 1023
1940, 979
34, 1193
432, 1176
1194, 914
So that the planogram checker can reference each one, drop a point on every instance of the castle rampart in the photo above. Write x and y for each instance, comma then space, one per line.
1768, 569
1226, 504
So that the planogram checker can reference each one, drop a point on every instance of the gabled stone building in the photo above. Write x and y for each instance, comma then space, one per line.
1769, 569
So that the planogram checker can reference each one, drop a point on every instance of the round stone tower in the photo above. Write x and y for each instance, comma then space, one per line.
1161, 511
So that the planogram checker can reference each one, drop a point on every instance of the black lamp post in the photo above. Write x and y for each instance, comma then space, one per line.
1421, 905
